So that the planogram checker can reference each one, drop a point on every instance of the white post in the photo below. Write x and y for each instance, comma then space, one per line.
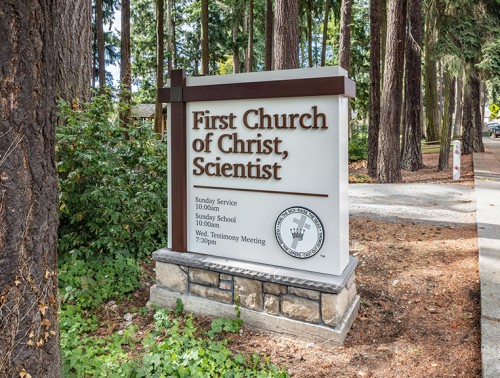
457, 152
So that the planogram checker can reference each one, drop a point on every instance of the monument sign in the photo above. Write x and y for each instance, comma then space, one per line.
258, 203
266, 177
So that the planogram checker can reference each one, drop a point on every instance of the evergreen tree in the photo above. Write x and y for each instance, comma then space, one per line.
388, 159
49, 45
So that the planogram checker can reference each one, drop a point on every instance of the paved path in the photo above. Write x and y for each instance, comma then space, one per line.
487, 188
436, 204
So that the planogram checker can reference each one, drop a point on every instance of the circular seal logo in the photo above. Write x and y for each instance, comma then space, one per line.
299, 232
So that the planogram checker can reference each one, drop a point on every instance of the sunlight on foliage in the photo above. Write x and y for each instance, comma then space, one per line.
112, 201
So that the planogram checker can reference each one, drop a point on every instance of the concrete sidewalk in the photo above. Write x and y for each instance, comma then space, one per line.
487, 190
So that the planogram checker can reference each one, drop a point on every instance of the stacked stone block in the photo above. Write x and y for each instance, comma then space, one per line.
323, 306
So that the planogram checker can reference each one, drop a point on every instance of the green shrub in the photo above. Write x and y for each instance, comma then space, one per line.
113, 191
358, 148
112, 201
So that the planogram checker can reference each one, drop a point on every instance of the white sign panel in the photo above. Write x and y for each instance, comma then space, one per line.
267, 180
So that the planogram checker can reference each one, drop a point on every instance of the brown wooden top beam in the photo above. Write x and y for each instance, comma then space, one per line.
323, 86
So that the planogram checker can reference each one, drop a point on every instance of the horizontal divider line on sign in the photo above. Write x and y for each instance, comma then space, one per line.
261, 191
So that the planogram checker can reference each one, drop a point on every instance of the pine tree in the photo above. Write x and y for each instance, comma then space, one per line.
286, 34
388, 159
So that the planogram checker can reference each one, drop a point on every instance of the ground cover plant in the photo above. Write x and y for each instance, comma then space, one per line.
173, 346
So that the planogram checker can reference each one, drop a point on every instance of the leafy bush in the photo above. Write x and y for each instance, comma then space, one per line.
358, 147
91, 282
112, 202
113, 191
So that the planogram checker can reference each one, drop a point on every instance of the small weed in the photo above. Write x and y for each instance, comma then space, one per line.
179, 307
143, 311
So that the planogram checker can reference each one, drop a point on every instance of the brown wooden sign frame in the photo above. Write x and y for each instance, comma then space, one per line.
178, 94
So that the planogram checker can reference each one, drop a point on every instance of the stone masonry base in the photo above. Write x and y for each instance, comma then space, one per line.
312, 306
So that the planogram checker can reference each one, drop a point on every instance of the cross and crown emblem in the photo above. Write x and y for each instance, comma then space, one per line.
297, 233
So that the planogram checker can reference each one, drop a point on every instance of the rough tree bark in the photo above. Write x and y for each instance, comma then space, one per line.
325, 32
204, 37
268, 64
388, 159
286, 34
125, 67
170, 30
345, 34
249, 61
46, 53
374, 116
245, 32
160, 53
471, 119
383, 37
235, 32
412, 152
449, 105
100, 45
430, 66
309, 34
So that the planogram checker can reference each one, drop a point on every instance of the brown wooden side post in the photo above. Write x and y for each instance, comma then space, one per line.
179, 161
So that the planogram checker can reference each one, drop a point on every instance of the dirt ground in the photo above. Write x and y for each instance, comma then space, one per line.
359, 173
420, 309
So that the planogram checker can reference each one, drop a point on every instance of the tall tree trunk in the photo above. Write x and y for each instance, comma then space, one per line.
46, 55
250, 37
268, 64
388, 160
471, 120
100, 45
170, 30
483, 101
449, 105
325, 32
75, 57
374, 116
430, 65
345, 34
345, 46
94, 60
245, 32
160, 53
309, 34
383, 36
125, 68
174, 40
286, 34
458, 108
235, 32
196, 61
412, 137
204, 37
